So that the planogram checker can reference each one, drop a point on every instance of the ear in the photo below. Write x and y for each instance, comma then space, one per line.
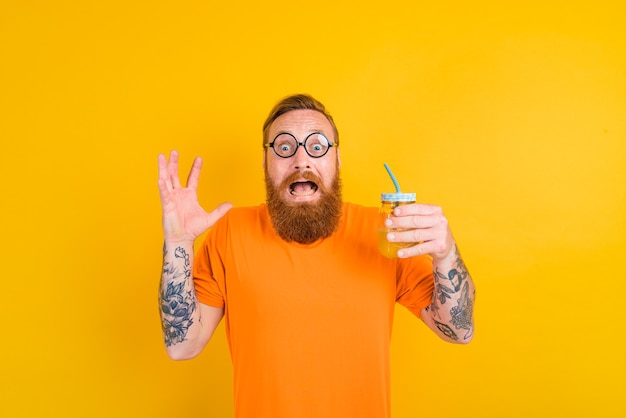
338, 158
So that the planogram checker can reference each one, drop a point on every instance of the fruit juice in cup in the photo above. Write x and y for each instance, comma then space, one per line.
389, 201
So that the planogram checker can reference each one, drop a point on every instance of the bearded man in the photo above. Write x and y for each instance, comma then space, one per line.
307, 298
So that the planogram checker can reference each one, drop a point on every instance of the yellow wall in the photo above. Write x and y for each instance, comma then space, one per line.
511, 115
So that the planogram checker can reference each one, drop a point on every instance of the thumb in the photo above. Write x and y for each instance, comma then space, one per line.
218, 212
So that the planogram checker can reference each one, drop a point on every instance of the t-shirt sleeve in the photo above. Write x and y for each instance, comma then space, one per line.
208, 269
414, 283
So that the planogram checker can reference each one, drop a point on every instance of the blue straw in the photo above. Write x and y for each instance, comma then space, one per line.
393, 178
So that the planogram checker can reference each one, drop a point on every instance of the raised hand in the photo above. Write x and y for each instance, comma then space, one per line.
183, 217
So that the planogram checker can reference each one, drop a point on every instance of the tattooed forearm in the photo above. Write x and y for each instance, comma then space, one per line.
446, 330
462, 313
453, 288
447, 285
177, 299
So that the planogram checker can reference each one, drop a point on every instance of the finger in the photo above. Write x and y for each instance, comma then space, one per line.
417, 221
172, 169
417, 209
164, 192
414, 235
426, 247
165, 183
162, 161
218, 212
194, 173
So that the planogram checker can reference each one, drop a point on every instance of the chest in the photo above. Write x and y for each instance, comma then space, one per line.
336, 280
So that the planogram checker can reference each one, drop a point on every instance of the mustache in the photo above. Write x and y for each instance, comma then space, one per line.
306, 175
304, 222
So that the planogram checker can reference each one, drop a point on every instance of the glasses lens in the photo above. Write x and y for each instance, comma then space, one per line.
316, 145
285, 145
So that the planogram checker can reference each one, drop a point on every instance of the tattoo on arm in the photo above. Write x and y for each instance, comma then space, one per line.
177, 301
446, 330
447, 285
462, 313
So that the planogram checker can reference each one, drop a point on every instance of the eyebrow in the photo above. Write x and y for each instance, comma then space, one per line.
313, 131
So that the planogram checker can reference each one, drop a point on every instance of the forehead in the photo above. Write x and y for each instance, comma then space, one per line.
302, 122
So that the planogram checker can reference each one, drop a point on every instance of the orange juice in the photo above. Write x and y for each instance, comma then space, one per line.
389, 202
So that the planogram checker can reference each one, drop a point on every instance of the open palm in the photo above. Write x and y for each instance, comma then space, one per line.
183, 217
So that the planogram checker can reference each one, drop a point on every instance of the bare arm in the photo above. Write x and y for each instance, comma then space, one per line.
187, 324
450, 314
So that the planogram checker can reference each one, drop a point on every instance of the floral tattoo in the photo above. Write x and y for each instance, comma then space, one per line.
449, 284
178, 303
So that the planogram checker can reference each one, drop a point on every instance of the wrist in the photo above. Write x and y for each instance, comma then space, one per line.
448, 257
174, 243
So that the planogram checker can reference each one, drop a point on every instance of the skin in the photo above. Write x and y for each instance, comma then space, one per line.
301, 123
450, 314
188, 324
183, 221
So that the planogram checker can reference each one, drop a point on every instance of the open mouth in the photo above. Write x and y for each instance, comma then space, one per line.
302, 188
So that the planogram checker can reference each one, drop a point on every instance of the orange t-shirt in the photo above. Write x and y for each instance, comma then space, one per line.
309, 326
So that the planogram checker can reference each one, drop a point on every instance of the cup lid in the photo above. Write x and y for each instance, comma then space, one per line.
398, 197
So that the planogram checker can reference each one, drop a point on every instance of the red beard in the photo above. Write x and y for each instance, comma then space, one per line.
304, 222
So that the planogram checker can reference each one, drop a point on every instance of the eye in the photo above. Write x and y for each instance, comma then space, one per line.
284, 145
317, 144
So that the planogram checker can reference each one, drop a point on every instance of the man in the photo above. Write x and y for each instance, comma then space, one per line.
307, 299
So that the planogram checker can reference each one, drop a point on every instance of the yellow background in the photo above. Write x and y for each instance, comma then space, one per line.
510, 115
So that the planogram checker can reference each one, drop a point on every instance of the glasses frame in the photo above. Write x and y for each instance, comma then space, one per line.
301, 144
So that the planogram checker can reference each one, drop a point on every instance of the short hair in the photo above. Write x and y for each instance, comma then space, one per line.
296, 102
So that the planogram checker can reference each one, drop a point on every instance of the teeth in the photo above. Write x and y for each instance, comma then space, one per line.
310, 192
303, 189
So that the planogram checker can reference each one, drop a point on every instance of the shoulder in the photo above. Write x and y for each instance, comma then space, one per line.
354, 210
247, 211
243, 218
358, 219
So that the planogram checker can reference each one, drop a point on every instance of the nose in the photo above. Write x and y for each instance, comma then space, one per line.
301, 160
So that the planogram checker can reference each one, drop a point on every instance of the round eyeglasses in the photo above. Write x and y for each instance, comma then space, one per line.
285, 145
